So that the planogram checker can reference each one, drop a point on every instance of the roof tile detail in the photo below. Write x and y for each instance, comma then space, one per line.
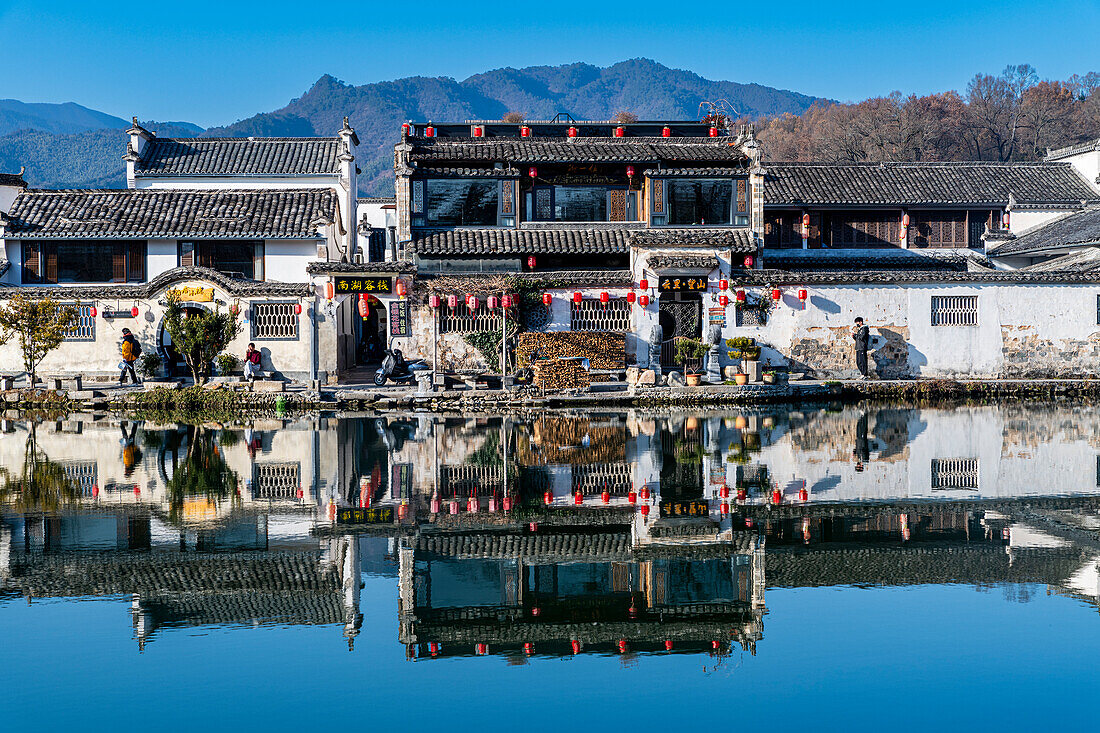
240, 156
586, 149
1077, 229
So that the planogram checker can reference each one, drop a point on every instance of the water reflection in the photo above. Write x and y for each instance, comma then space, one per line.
557, 534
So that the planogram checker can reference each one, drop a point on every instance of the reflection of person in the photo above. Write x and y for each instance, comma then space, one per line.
131, 350
252, 359
861, 335
130, 453
862, 450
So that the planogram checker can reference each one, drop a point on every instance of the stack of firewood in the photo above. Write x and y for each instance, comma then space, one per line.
569, 440
560, 374
604, 350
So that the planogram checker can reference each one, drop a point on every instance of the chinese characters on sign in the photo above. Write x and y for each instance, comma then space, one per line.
371, 515
717, 316
682, 284
364, 285
684, 509
399, 318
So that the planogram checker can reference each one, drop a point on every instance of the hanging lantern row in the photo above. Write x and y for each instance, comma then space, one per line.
473, 302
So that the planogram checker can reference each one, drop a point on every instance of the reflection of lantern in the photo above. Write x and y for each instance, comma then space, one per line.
506, 301
94, 311
723, 300
742, 494
329, 290
533, 171
577, 298
572, 131
802, 294
134, 311
525, 131
474, 302
631, 297
547, 498
748, 262
723, 284
776, 294
630, 171
405, 128
402, 289
666, 131
531, 262
643, 300
434, 301
429, 131
740, 296
578, 498
493, 302
619, 132
297, 309
364, 309
452, 301
605, 298
725, 508
547, 299
713, 132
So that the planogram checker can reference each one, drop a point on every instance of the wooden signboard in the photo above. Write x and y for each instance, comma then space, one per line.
682, 284
382, 285
399, 318
684, 509
717, 316
369, 515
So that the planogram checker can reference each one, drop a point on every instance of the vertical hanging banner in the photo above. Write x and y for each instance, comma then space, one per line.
399, 318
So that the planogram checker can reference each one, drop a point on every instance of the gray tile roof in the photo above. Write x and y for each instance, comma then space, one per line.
904, 277
519, 241
579, 149
12, 179
1085, 261
552, 278
240, 156
433, 171
1069, 150
350, 268
243, 288
1077, 229
170, 214
739, 239
886, 259
376, 200
716, 172
924, 184
572, 547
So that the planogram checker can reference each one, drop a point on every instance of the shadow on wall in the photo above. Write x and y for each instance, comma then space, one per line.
890, 352
824, 304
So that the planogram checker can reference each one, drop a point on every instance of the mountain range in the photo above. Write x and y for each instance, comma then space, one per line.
69, 146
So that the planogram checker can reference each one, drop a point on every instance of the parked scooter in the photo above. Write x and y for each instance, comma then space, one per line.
396, 369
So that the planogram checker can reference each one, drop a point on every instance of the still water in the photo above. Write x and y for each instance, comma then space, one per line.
830, 568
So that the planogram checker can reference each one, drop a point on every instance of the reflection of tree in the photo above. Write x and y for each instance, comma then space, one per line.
202, 472
42, 485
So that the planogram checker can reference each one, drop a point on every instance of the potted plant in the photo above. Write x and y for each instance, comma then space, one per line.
688, 350
149, 365
746, 354
227, 363
769, 376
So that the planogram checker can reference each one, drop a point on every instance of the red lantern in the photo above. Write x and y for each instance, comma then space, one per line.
452, 301
724, 492
474, 302
668, 645
235, 309
473, 505
577, 298
525, 131
429, 131
643, 284
645, 510
905, 220
803, 495
802, 294
506, 503
776, 294
402, 289
547, 299
622, 646
329, 290
506, 301
547, 498
531, 262
571, 132
532, 171
578, 498
478, 131
575, 645
434, 301
748, 262
528, 648
644, 493
742, 494
605, 496
713, 132
723, 300
723, 284
94, 311
632, 497
666, 132
134, 311
405, 128
631, 297
364, 308
605, 298
482, 648
643, 300
619, 131
493, 302
740, 296
777, 497
1005, 220
297, 309
630, 171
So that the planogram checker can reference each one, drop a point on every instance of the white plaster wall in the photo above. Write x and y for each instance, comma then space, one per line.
8, 195
1088, 164
1020, 221
286, 260
376, 215
161, 255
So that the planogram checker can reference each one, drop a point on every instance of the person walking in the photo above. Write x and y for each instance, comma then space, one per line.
861, 335
131, 350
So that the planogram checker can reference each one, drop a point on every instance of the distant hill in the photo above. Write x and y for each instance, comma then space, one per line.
643, 87
59, 152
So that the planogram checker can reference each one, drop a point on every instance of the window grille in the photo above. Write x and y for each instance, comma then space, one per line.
592, 478
468, 479
749, 315
954, 310
592, 315
276, 480
955, 473
85, 324
274, 321
83, 474
461, 319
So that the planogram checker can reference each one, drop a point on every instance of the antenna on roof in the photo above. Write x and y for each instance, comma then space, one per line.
563, 117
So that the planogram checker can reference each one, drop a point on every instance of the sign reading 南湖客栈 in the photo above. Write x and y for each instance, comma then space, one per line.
383, 285
368, 515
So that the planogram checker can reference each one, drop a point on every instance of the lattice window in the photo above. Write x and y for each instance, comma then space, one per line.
592, 315
939, 229
83, 474
276, 480
274, 321
593, 478
868, 229
955, 473
461, 319
468, 479
658, 193
954, 310
752, 474
85, 325
748, 315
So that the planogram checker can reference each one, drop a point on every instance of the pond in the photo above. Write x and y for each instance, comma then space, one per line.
831, 567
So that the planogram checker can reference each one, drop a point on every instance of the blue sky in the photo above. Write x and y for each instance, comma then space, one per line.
216, 62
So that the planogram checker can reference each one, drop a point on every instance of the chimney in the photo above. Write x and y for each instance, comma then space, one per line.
11, 185
135, 149
349, 172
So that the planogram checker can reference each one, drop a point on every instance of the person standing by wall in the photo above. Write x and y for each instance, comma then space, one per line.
131, 350
861, 335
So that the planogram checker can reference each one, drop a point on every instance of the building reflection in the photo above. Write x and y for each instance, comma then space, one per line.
619, 533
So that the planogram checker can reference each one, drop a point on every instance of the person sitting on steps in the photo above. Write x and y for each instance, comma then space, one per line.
252, 359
